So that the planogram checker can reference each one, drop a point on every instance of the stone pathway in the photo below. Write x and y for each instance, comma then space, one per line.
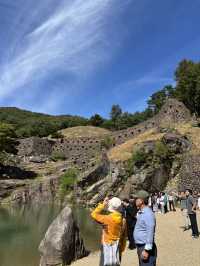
175, 247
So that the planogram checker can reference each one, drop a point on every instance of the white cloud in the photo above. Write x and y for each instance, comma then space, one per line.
72, 39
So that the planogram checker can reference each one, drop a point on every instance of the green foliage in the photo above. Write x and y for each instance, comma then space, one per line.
161, 151
28, 123
7, 142
125, 120
158, 98
139, 158
57, 135
68, 180
57, 156
108, 124
188, 84
107, 142
116, 112
96, 120
161, 154
7, 138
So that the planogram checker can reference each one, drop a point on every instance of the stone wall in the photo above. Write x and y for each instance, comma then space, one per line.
172, 112
35, 146
79, 151
190, 173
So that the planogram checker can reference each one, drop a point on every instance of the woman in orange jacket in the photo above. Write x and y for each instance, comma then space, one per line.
114, 231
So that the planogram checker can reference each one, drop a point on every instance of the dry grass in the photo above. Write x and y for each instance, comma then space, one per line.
124, 151
84, 131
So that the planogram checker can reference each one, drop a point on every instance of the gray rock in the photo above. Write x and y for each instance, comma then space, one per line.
62, 243
37, 191
38, 159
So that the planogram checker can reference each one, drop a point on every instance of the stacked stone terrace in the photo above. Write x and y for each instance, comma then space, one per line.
80, 151
35, 146
172, 112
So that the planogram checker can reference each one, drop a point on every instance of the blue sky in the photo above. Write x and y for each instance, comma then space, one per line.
80, 57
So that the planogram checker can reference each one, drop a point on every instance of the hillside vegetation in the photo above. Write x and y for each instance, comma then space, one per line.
28, 123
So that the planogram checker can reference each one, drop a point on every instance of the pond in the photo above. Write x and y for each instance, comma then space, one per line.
22, 229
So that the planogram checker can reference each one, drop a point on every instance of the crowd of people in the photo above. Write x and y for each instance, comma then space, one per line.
135, 219
189, 203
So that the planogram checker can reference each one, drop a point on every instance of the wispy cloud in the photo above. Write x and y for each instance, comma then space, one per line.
143, 82
72, 39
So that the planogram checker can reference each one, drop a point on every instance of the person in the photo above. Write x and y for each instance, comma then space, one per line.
199, 201
171, 202
183, 205
165, 202
150, 201
114, 231
130, 212
191, 207
162, 202
144, 232
195, 196
155, 202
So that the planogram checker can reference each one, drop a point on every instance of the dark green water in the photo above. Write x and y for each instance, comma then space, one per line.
22, 229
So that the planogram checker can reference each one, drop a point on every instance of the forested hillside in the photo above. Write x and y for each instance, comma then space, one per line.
28, 123
187, 90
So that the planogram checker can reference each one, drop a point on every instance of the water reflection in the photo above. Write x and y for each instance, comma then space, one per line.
21, 230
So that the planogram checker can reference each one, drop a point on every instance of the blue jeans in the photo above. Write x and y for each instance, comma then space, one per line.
152, 256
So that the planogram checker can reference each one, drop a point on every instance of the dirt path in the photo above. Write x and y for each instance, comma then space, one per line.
175, 247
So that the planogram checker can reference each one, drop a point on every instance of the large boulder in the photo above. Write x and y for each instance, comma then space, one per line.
62, 243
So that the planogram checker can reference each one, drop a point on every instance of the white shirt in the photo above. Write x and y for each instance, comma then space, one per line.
199, 202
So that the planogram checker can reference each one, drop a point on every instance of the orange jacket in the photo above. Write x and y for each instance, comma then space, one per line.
114, 226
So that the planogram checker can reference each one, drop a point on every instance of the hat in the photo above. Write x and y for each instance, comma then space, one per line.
142, 194
114, 204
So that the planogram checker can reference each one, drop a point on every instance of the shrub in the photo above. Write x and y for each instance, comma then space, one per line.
68, 180
58, 156
57, 135
161, 151
139, 157
107, 142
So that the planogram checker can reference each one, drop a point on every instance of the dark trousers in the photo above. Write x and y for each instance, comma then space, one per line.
152, 256
171, 205
194, 226
130, 230
165, 208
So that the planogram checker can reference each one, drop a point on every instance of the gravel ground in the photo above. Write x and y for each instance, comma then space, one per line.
175, 247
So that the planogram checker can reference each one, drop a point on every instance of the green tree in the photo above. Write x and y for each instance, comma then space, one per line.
116, 112
7, 141
96, 120
188, 84
7, 138
158, 98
